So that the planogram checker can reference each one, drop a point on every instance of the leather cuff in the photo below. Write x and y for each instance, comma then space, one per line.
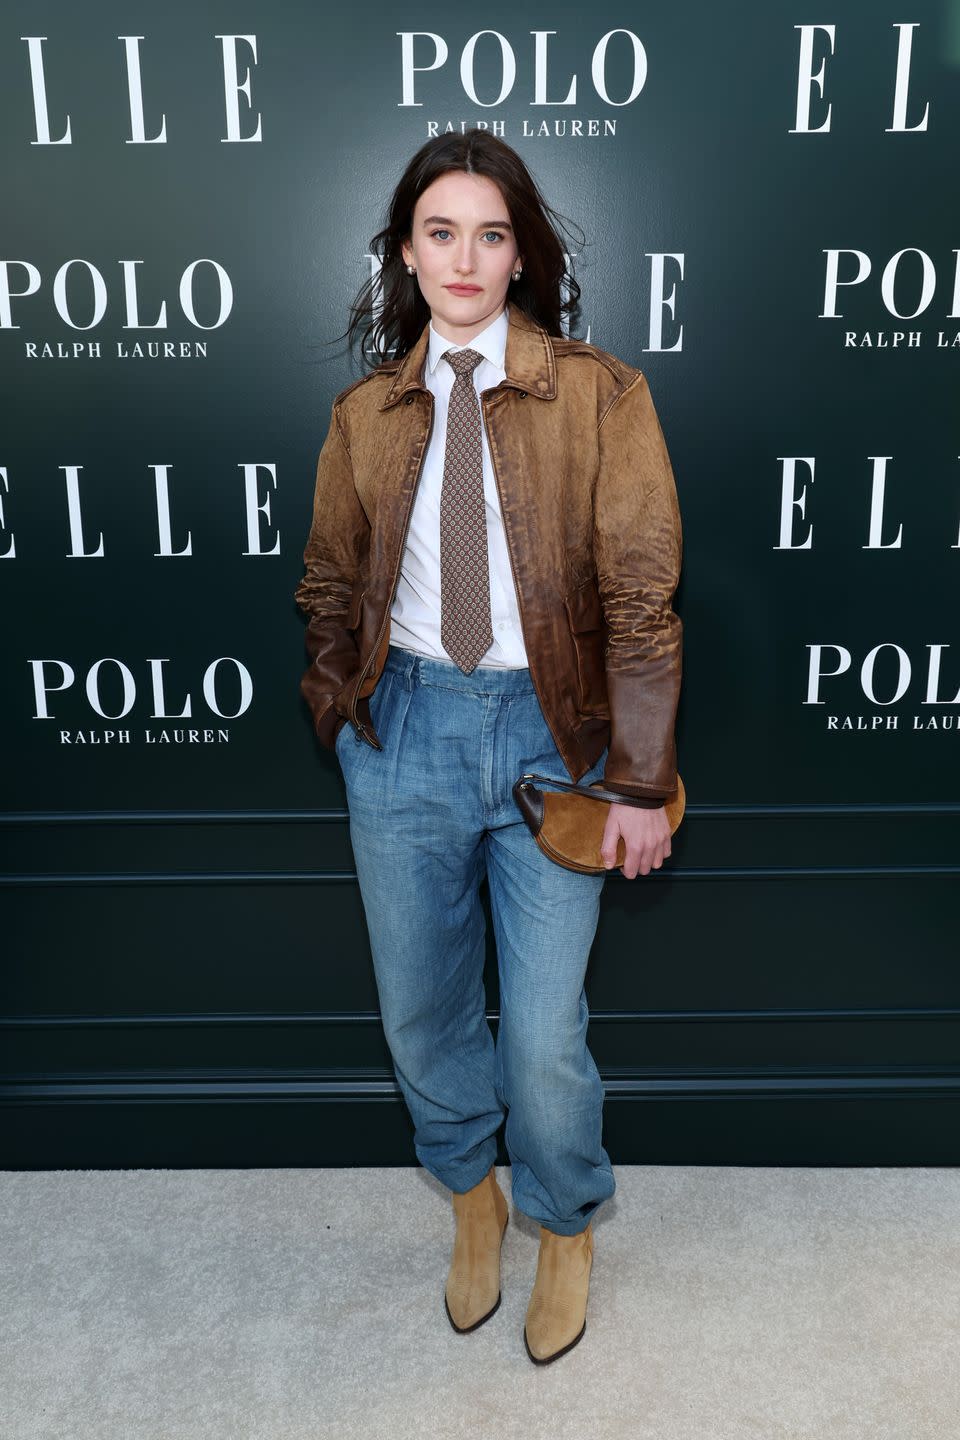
642, 802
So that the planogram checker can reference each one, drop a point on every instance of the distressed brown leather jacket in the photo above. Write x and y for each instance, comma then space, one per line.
593, 529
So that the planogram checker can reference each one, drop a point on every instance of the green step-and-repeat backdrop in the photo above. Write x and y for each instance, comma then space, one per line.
768, 198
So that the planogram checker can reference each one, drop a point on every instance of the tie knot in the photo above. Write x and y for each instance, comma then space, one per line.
464, 362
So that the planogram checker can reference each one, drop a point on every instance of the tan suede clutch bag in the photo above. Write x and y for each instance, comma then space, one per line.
569, 827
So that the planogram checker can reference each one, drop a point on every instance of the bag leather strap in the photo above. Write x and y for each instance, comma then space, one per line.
592, 792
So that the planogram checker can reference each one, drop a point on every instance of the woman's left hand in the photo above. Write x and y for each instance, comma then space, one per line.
646, 836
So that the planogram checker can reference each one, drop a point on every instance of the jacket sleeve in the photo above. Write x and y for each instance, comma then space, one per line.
638, 550
336, 546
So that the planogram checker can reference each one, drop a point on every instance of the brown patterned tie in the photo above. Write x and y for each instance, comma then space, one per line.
465, 628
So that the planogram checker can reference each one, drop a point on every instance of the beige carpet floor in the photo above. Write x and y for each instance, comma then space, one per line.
726, 1304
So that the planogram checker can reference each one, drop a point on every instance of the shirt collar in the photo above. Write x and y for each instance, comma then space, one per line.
491, 343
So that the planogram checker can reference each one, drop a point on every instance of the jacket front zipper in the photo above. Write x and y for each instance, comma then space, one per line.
358, 725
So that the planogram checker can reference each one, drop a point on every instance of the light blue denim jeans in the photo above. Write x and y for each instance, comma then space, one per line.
430, 814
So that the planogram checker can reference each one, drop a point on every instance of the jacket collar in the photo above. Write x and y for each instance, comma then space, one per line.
528, 361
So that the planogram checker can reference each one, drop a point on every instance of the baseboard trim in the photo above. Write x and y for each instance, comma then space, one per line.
277, 1087
222, 1122
306, 1018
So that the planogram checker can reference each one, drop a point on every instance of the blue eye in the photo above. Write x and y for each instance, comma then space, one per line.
495, 233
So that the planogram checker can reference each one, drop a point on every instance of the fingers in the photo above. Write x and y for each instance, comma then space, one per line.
643, 860
639, 859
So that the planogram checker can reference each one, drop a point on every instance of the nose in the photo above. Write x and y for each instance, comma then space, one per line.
464, 260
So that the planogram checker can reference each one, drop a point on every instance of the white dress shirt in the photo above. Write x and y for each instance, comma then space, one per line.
415, 614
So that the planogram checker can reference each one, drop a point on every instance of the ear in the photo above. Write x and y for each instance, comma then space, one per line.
406, 250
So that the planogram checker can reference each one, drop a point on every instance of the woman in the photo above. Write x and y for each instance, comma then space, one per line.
494, 550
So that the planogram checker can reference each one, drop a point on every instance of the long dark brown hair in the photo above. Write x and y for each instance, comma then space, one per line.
389, 331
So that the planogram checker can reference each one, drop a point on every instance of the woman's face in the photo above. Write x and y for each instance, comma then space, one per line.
461, 235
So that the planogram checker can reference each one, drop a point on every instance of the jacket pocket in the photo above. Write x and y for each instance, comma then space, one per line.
588, 630
355, 610
348, 652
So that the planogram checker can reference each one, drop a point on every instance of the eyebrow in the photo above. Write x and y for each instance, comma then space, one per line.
484, 225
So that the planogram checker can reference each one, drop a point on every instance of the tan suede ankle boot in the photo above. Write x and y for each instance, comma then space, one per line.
557, 1313
473, 1284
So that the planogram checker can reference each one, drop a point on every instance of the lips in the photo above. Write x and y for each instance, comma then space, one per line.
464, 289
